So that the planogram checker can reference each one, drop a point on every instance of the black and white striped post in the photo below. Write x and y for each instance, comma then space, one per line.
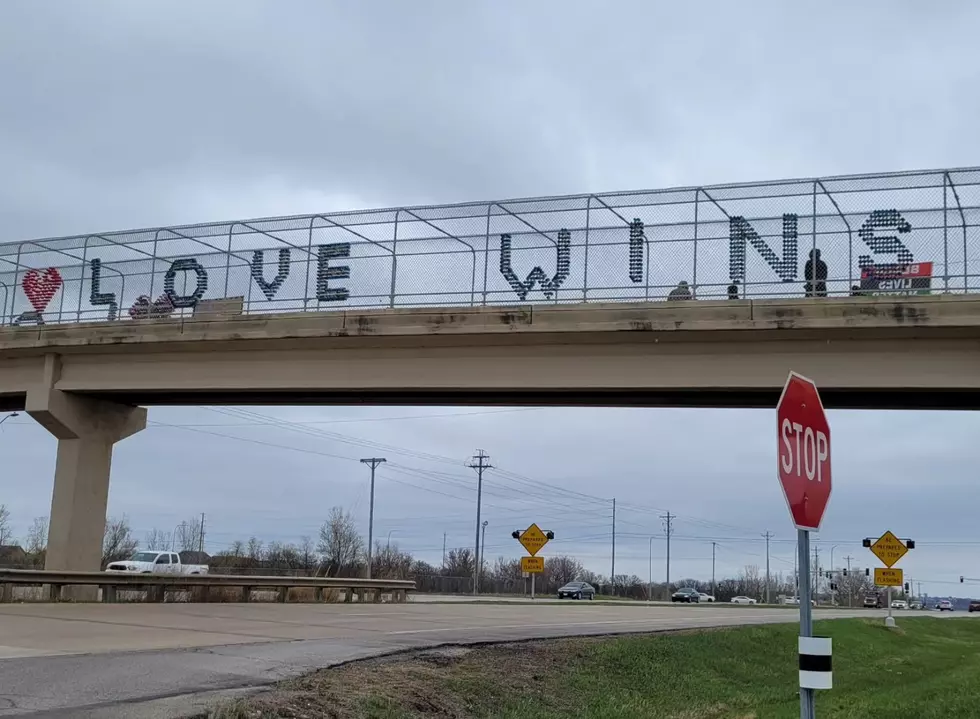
816, 669
807, 710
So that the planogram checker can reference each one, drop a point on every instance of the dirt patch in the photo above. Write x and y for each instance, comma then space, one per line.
443, 683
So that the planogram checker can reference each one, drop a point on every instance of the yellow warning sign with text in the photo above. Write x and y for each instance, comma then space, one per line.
532, 565
533, 539
889, 549
888, 577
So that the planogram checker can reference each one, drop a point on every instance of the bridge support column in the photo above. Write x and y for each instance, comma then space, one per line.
86, 430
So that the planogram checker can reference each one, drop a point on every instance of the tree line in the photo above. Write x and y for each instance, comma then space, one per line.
339, 550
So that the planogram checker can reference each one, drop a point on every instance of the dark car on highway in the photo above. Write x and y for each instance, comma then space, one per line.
974, 606
686, 594
577, 590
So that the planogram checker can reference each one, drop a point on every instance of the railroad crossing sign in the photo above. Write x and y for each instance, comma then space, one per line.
889, 549
888, 577
803, 461
533, 539
532, 565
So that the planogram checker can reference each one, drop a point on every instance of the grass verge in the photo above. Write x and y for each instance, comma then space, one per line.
927, 669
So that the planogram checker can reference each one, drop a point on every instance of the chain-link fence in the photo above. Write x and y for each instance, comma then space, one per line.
902, 233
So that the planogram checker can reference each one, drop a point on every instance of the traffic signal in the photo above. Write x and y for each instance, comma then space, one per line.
549, 534
865, 542
906, 586
833, 587
910, 544
961, 579
867, 572
844, 572
516, 534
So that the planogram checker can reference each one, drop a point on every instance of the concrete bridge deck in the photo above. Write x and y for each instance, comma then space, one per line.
864, 352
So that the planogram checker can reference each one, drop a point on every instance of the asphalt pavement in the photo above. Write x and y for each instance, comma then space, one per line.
155, 661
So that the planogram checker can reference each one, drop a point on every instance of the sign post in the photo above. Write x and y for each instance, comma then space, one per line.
803, 468
889, 549
533, 539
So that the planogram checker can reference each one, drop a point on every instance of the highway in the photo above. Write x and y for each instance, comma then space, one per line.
151, 661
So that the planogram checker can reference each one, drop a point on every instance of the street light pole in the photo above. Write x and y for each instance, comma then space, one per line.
372, 462
388, 543
12, 414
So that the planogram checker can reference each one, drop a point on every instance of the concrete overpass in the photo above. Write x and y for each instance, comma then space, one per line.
86, 382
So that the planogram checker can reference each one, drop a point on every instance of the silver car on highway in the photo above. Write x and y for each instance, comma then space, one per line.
577, 590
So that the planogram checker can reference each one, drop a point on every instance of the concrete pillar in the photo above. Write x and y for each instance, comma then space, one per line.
86, 430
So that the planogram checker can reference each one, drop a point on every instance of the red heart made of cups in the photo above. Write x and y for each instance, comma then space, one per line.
40, 287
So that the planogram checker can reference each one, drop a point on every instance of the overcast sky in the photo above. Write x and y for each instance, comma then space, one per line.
119, 115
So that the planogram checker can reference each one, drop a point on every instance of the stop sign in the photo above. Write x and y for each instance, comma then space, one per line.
803, 441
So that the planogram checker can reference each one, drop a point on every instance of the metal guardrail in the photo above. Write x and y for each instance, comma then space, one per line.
156, 585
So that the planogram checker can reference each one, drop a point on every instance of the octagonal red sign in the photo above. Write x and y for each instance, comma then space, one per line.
803, 451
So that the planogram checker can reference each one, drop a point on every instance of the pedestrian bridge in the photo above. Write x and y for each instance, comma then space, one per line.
866, 284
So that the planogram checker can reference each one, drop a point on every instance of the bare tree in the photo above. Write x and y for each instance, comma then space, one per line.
117, 540
253, 551
562, 569
37, 536
307, 555
157, 539
6, 533
389, 562
237, 549
188, 535
460, 562
340, 543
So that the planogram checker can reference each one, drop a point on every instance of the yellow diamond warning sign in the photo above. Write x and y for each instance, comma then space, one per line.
889, 549
532, 565
888, 577
533, 539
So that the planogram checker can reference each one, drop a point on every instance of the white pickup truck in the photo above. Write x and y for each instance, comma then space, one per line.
156, 563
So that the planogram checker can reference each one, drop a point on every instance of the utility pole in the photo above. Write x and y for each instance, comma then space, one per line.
443, 550
816, 575
200, 547
483, 549
848, 559
668, 528
713, 589
768, 536
612, 571
481, 462
650, 572
372, 462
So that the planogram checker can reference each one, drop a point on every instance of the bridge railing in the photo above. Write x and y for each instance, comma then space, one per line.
156, 586
897, 233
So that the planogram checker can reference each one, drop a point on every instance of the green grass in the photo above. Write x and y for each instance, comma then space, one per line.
928, 668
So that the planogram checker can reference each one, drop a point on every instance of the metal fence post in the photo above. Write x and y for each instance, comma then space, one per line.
309, 260
694, 279
813, 230
13, 301
81, 284
585, 271
946, 241
486, 255
231, 230
394, 260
